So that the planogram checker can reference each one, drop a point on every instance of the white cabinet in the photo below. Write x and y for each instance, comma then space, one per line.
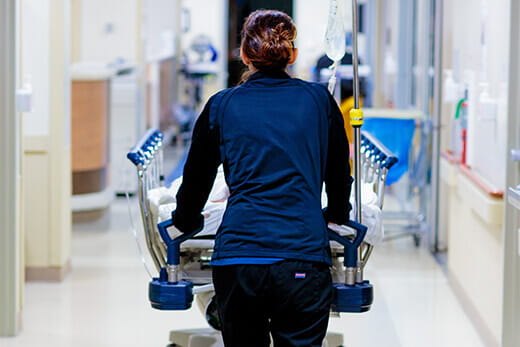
124, 131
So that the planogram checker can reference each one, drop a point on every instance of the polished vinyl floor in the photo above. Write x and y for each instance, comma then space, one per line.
103, 301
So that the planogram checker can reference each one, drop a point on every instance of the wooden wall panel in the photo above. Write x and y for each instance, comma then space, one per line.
166, 88
90, 112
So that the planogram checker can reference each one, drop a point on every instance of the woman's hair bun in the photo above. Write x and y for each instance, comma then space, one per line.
268, 39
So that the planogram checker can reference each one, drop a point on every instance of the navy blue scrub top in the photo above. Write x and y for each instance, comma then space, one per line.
279, 139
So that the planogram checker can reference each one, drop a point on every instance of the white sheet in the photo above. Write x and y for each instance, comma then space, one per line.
162, 203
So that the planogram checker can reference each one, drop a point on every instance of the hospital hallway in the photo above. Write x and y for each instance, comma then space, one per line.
103, 302
407, 111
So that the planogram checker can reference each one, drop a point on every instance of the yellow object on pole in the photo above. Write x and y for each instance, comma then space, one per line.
356, 117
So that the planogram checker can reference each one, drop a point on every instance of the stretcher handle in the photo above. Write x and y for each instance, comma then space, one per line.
174, 245
145, 144
351, 246
386, 158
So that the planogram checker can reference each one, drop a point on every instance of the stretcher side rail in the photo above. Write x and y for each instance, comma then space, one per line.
376, 161
146, 155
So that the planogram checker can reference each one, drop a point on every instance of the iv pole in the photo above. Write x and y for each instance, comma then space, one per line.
356, 120
356, 114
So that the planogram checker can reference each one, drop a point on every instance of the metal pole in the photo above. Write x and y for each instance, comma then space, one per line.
355, 121
436, 148
145, 212
355, 58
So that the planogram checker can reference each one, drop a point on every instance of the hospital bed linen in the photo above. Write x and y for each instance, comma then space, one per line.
162, 203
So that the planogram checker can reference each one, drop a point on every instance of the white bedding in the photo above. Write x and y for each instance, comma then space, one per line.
162, 203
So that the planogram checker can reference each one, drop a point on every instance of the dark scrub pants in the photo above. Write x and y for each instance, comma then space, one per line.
290, 299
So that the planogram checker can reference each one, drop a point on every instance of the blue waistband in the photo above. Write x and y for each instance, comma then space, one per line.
245, 261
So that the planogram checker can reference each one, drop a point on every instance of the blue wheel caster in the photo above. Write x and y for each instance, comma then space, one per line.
170, 296
354, 299
169, 293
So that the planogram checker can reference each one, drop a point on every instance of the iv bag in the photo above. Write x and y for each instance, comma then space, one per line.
335, 37
336, 33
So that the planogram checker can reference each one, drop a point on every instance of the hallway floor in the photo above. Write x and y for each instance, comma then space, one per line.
103, 301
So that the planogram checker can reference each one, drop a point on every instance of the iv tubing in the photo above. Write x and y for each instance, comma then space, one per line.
332, 80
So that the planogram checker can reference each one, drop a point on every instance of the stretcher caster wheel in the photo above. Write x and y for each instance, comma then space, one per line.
170, 296
353, 299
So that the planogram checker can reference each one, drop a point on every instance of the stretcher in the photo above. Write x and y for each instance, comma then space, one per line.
182, 261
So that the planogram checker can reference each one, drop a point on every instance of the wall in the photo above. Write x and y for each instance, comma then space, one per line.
36, 71
46, 180
480, 50
108, 30
160, 20
476, 51
475, 253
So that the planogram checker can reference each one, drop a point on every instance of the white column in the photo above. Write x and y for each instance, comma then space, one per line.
10, 247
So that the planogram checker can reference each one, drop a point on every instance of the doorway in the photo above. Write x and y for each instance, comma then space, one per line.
238, 11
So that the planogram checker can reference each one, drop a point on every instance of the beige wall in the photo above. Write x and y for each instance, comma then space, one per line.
46, 180
105, 35
161, 20
477, 51
475, 251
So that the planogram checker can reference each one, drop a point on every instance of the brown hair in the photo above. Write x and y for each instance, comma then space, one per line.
268, 40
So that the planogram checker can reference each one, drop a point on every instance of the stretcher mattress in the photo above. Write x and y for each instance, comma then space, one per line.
162, 202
